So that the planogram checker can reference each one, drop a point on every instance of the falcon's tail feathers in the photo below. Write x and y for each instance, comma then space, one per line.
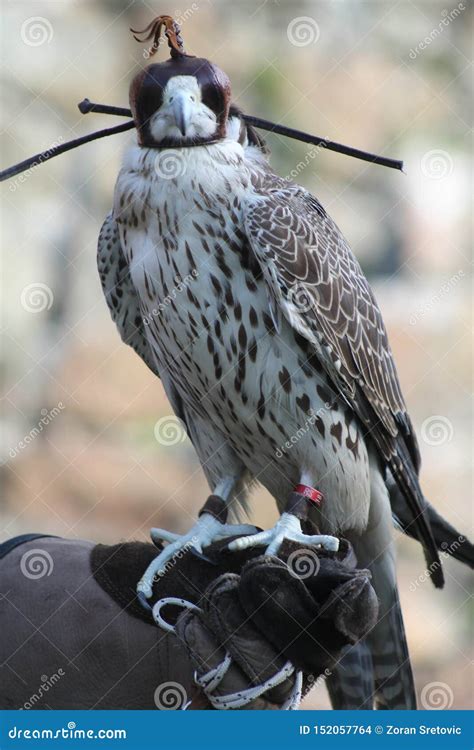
351, 682
393, 677
404, 475
384, 678
376, 672
447, 538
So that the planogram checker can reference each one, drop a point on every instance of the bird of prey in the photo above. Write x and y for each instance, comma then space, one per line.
275, 357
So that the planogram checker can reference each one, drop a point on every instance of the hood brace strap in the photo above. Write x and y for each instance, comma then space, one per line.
87, 106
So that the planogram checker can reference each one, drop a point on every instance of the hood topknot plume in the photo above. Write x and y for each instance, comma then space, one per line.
153, 31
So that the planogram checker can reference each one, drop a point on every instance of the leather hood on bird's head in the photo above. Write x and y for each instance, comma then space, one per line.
146, 90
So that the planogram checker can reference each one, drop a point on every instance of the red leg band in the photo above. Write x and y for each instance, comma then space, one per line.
315, 496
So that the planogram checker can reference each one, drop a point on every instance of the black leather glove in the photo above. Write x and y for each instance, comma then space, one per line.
259, 636
272, 623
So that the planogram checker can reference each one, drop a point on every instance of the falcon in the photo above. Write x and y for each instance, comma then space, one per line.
274, 355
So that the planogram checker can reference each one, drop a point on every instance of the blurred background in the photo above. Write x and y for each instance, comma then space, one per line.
83, 450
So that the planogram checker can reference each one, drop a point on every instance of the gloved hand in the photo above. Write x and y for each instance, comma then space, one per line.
271, 617
259, 636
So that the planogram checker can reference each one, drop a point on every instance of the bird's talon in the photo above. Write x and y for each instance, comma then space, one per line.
206, 531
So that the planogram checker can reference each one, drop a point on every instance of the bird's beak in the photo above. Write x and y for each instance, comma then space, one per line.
182, 111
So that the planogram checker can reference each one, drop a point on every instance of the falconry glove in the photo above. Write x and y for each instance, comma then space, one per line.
255, 632
260, 638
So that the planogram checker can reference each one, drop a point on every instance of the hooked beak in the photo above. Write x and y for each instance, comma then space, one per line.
182, 111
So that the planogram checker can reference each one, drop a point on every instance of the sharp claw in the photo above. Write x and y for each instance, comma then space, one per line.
202, 556
144, 588
142, 598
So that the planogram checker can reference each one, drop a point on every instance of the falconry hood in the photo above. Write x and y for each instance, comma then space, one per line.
184, 101
152, 88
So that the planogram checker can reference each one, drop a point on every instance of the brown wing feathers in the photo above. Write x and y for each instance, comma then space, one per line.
304, 257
